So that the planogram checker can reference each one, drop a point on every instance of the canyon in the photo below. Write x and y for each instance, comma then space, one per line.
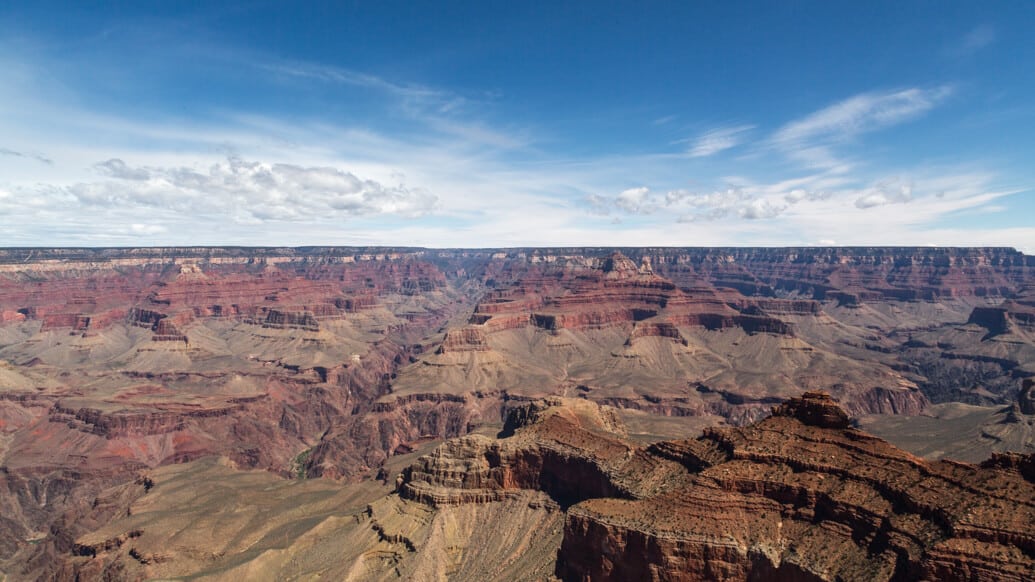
397, 401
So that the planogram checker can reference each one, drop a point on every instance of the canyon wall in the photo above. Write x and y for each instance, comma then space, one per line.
329, 362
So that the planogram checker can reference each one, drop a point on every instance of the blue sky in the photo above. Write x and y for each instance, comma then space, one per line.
515, 124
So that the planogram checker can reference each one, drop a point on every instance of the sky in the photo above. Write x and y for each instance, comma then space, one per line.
503, 124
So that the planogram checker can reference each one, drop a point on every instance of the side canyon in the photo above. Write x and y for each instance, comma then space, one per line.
585, 413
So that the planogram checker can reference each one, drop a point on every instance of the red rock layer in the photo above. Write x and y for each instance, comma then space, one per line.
853, 274
798, 496
801, 497
466, 339
612, 291
91, 296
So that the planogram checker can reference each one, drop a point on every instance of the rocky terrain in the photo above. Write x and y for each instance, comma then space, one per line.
562, 493
327, 366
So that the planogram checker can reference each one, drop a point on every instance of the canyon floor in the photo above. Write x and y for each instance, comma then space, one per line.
517, 414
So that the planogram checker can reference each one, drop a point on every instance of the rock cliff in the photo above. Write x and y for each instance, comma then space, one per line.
331, 362
798, 496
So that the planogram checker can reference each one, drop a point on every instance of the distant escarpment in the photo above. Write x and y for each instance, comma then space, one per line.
855, 274
614, 291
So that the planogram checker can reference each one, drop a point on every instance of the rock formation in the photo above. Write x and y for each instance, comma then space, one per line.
1026, 398
332, 362
798, 496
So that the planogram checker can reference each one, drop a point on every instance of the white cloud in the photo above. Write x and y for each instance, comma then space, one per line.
147, 229
885, 193
862, 113
246, 191
760, 209
599, 204
749, 203
117, 168
717, 140
811, 139
359, 79
169, 181
636, 201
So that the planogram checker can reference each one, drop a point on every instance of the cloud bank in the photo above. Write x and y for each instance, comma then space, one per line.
243, 191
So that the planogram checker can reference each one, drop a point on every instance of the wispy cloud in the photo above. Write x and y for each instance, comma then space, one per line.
355, 78
861, 114
978, 38
39, 158
719, 139
811, 139
439, 110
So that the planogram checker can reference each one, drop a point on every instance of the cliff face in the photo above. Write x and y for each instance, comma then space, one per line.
856, 274
626, 335
561, 447
611, 292
798, 496
329, 362
113, 366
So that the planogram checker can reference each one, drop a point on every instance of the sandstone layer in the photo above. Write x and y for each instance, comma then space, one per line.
562, 493
331, 362
798, 496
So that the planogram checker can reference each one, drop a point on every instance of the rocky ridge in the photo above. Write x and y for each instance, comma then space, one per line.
798, 496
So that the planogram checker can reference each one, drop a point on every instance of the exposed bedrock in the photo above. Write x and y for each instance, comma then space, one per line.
863, 273
1026, 398
880, 400
69, 502
465, 339
658, 329
616, 293
296, 319
995, 319
798, 496
563, 447
299, 362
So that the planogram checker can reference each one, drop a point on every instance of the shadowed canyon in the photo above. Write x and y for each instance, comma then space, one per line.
517, 414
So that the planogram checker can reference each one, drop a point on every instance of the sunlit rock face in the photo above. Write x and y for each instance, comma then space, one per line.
798, 496
329, 362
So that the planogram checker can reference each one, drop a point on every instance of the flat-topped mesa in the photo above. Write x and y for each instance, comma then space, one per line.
814, 409
612, 292
656, 329
466, 339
